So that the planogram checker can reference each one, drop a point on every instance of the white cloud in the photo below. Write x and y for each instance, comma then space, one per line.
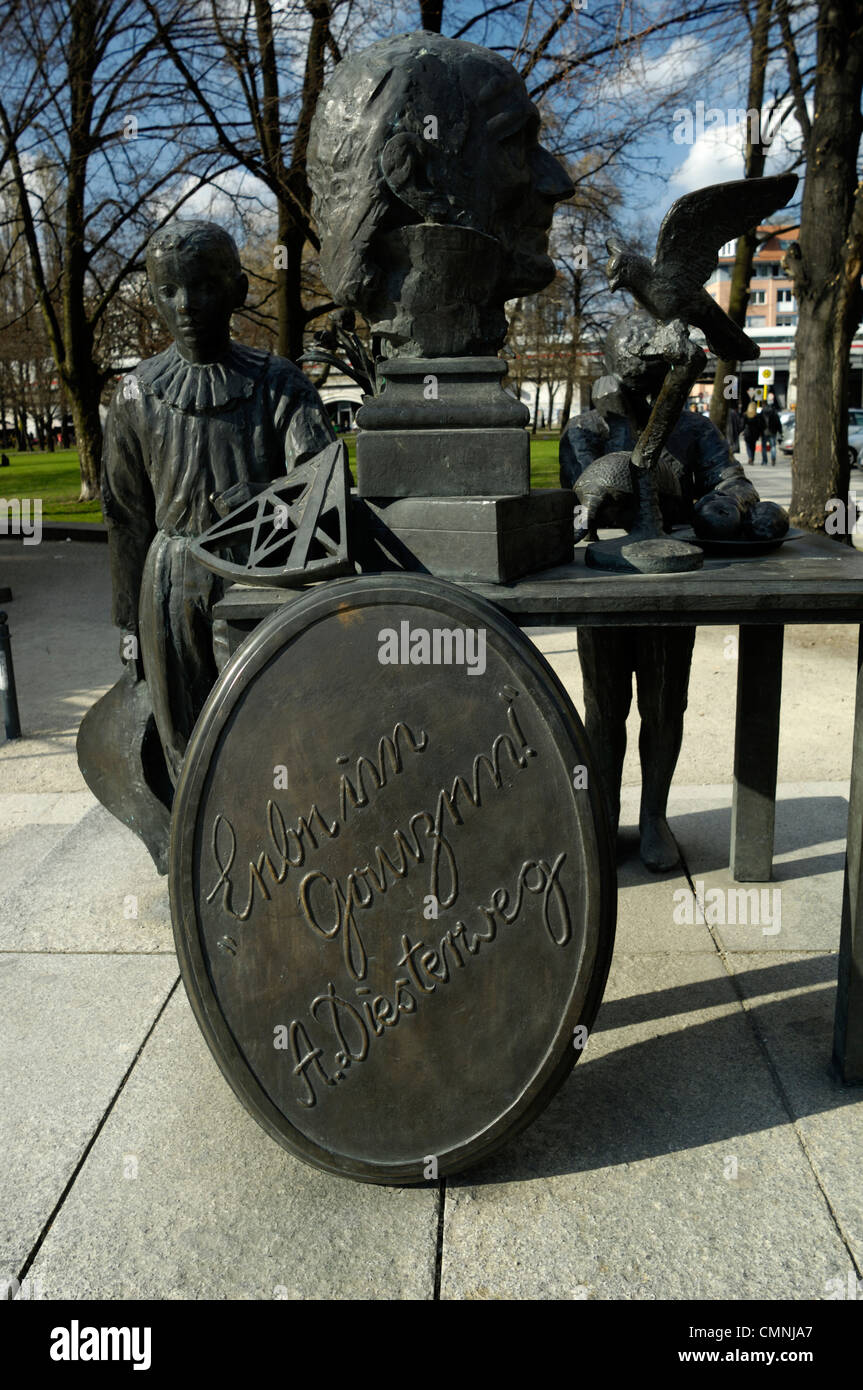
641, 76
717, 152
231, 196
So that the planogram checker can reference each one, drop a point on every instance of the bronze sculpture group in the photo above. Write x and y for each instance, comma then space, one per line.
433, 198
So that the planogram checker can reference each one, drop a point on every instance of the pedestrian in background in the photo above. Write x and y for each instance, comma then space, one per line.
772, 432
733, 429
753, 429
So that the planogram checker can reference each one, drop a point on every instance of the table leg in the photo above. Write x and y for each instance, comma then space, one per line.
848, 1028
756, 749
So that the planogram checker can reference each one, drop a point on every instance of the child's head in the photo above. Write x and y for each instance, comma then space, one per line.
196, 283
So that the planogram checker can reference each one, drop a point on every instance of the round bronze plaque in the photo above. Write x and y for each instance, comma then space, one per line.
391, 883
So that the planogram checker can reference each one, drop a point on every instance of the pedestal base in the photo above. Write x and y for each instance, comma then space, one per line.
443, 426
453, 463
486, 539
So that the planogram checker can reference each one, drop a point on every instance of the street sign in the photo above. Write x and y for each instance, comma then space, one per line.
765, 376
392, 883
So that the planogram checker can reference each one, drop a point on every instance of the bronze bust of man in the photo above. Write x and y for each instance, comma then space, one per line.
432, 193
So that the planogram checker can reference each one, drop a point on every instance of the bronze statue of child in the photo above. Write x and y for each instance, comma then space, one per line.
191, 433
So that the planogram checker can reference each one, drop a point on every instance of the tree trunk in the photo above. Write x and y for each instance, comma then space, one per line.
84, 390
825, 267
755, 159
551, 392
297, 183
292, 316
88, 432
567, 403
431, 15
78, 370
571, 372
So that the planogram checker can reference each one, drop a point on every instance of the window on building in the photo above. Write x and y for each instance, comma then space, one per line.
758, 297
785, 297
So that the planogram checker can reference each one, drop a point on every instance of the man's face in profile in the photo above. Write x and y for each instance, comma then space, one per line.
195, 295
523, 182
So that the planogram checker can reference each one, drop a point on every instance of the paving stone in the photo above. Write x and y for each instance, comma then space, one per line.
791, 998
819, 673
69, 1028
83, 892
646, 905
46, 765
184, 1196
22, 851
666, 1167
806, 888
20, 809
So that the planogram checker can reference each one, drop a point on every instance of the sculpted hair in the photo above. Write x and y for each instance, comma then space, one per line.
201, 238
390, 88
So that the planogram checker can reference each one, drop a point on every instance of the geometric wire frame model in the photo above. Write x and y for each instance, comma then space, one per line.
293, 531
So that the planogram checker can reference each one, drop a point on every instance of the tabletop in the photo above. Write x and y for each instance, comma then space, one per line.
808, 580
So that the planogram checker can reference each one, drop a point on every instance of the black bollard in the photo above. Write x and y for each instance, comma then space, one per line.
8, 694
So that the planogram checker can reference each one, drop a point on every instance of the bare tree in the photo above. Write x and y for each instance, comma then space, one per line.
755, 158
237, 96
74, 73
578, 246
827, 260
262, 123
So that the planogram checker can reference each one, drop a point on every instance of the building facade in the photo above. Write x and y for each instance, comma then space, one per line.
771, 316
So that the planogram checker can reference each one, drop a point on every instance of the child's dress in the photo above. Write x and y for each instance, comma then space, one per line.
178, 434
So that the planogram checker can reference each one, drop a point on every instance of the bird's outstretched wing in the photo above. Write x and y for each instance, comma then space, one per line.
697, 225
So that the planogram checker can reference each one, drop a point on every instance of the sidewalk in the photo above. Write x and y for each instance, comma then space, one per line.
700, 1148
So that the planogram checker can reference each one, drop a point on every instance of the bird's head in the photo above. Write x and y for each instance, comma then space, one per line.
617, 266
622, 266
612, 268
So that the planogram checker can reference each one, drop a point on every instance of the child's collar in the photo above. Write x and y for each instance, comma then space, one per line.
203, 388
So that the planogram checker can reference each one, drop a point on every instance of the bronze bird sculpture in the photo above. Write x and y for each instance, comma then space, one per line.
671, 286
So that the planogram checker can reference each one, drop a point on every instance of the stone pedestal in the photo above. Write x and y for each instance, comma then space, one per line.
443, 475
443, 426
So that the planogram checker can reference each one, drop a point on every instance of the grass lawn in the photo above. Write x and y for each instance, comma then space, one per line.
55, 478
